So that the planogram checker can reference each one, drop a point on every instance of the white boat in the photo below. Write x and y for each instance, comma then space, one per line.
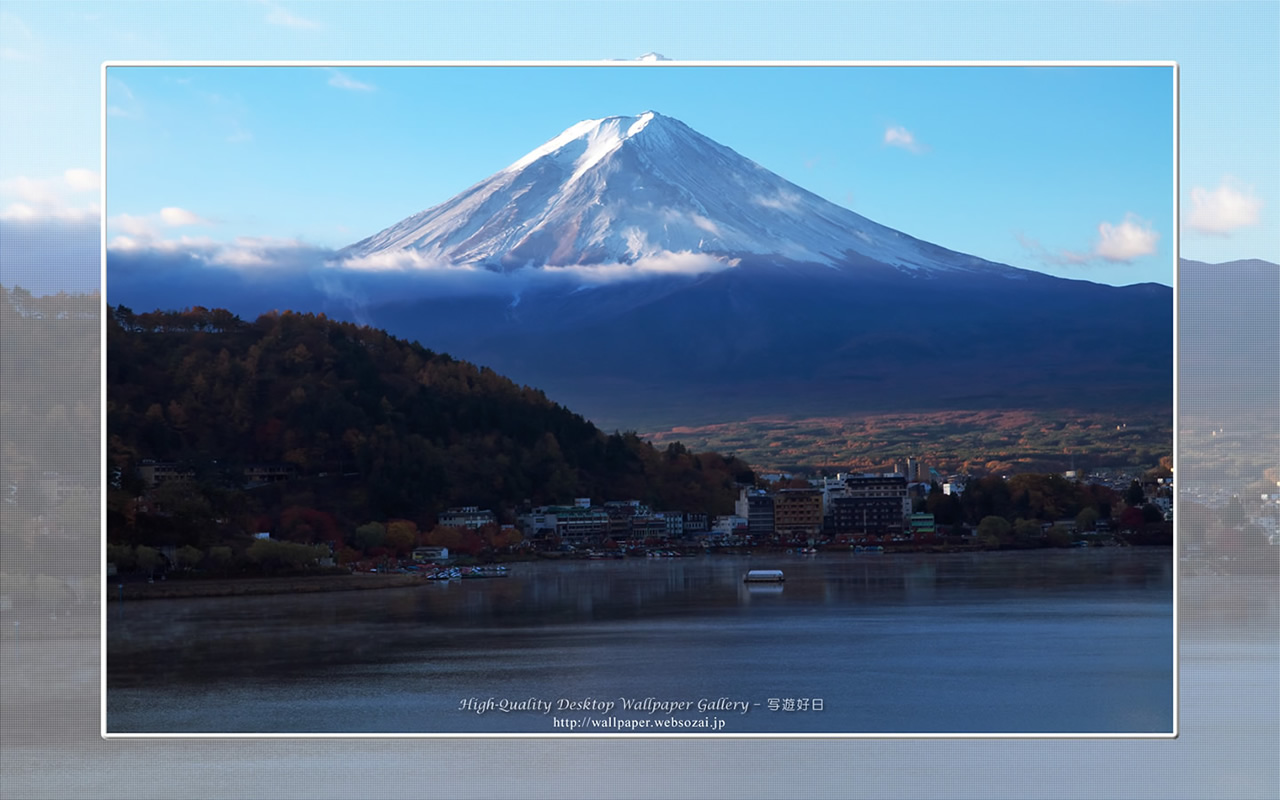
763, 576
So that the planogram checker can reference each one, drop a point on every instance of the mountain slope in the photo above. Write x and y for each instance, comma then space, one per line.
741, 343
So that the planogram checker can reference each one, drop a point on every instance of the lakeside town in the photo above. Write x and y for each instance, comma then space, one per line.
909, 509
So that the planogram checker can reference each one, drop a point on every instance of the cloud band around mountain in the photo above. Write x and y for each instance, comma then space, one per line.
44, 199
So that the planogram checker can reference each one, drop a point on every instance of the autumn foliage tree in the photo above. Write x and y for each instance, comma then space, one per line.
1132, 519
307, 525
401, 536
445, 536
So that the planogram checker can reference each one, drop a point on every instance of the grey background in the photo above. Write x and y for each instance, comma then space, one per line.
1230, 645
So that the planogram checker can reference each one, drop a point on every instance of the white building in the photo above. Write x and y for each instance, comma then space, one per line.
469, 517
728, 524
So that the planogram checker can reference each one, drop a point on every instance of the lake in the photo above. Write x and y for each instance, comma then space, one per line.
1074, 641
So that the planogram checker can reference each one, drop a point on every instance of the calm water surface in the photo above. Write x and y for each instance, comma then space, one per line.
1054, 642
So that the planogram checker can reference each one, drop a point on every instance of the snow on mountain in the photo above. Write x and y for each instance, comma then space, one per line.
643, 190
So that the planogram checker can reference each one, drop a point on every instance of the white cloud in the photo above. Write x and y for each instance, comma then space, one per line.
33, 199
1130, 239
33, 191
142, 239
664, 262
82, 180
357, 282
672, 217
784, 201
133, 227
898, 136
396, 261
1224, 209
278, 15
23, 212
1120, 243
126, 244
253, 251
244, 252
705, 224
143, 231
175, 217
339, 80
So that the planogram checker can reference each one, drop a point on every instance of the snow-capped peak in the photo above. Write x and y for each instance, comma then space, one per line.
584, 145
620, 189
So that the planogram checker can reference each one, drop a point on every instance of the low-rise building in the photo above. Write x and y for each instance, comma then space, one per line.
158, 473
650, 527
262, 474
538, 523
797, 512
728, 524
757, 508
430, 555
674, 521
761, 521
867, 516
469, 517
922, 526
876, 485
696, 522
582, 524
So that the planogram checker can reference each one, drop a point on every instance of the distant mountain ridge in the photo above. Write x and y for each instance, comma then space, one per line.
1229, 338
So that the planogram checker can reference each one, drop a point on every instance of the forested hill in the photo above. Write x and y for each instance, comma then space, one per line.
376, 427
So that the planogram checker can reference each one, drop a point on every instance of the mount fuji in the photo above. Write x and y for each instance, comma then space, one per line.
648, 277
626, 190
754, 296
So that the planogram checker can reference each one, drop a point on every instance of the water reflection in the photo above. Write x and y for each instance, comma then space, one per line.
948, 642
750, 590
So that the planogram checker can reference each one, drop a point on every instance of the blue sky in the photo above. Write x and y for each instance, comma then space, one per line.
945, 158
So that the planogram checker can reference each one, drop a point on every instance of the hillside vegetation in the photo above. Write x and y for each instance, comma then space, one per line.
375, 428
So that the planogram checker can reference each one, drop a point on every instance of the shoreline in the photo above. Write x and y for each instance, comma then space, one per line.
357, 581
247, 587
